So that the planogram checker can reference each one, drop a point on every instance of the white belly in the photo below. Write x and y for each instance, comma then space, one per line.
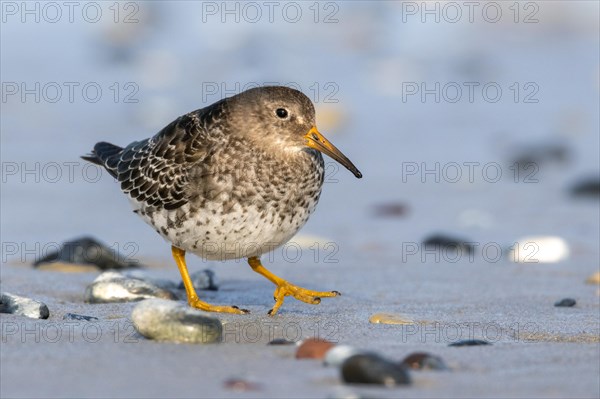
216, 235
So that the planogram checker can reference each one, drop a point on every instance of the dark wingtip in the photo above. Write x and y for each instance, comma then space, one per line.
101, 152
93, 158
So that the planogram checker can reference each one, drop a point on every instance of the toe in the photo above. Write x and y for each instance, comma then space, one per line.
311, 300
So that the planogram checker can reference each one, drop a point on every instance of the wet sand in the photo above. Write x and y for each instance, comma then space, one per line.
408, 150
537, 349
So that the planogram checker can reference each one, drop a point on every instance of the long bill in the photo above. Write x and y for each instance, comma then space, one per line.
315, 140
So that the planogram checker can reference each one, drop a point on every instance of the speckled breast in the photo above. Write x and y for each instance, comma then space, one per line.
244, 210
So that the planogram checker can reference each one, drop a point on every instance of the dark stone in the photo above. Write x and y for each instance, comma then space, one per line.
337, 355
441, 241
531, 157
470, 342
373, 369
281, 341
203, 280
587, 188
565, 303
390, 210
88, 251
79, 317
424, 361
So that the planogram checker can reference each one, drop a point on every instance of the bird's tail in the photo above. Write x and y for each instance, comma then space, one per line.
101, 153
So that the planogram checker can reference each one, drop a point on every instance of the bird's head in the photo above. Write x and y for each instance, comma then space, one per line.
281, 118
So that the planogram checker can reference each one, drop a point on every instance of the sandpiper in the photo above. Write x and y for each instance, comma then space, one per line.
232, 180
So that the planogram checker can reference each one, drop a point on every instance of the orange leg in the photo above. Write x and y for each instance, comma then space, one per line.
287, 289
193, 300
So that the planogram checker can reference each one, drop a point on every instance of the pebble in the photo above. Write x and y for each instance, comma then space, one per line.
342, 392
539, 249
373, 369
241, 385
389, 318
441, 241
23, 306
565, 303
337, 355
67, 267
159, 282
424, 361
203, 280
313, 348
281, 341
586, 188
163, 320
470, 342
115, 287
87, 251
79, 317
533, 156
390, 210
593, 279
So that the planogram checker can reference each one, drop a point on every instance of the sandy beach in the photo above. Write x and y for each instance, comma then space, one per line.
495, 172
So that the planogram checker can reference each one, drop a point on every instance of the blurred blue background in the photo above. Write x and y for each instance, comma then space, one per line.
135, 66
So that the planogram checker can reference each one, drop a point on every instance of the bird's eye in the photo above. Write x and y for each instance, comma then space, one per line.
281, 113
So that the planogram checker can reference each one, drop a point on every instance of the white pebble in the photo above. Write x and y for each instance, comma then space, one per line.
22, 306
335, 356
539, 249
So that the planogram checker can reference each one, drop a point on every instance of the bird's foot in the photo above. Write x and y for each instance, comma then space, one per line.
302, 294
198, 304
